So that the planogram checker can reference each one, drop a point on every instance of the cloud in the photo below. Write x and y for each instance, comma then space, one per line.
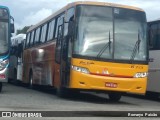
27, 12
33, 18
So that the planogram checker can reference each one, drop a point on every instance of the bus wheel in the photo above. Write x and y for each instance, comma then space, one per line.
115, 97
1, 86
30, 80
15, 75
62, 92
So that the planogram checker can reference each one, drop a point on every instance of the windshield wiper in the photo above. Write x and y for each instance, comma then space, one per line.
108, 44
136, 47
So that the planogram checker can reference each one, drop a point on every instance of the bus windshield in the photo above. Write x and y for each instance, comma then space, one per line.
122, 28
3, 31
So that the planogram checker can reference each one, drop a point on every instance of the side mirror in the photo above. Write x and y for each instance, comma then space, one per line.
12, 28
71, 28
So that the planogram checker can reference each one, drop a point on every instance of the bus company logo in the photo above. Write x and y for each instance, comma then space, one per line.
136, 67
86, 63
6, 114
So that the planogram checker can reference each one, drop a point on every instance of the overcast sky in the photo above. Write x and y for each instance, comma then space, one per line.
30, 12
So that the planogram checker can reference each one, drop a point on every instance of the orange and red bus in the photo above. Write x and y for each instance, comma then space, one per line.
93, 46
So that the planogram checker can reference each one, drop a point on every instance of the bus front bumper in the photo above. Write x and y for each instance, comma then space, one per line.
4, 75
93, 82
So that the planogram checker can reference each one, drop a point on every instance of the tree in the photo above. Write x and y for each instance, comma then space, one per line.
23, 30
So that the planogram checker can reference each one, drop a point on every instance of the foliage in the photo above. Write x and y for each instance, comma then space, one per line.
23, 30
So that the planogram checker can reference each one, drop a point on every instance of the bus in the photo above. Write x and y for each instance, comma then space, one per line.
89, 46
6, 28
16, 53
154, 69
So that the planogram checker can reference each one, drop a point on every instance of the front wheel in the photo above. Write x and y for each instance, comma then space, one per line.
115, 97
1, 86
62, 92
67, 93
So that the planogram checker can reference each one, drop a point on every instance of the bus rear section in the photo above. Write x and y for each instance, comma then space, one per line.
103, 50
16, 61
6, 28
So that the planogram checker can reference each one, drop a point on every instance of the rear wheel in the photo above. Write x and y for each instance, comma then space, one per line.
15, 75
31, 80
1, 86
115, 97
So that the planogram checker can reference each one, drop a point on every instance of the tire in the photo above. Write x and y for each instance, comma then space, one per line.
62, 92
1, 86
31, 80
67, 93
15, 75
115, 97
152, 95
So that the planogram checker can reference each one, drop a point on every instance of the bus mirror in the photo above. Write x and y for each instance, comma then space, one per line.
12, 28
71, 28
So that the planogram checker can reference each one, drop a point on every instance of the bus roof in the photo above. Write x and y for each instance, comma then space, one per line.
15, 40
82, 3
1, 6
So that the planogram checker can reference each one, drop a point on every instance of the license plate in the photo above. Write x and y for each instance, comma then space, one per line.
111, 85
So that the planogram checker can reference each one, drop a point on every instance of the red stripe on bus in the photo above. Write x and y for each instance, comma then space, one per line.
119, 76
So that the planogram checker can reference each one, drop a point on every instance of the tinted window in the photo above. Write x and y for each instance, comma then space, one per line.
153, 36
69, 17
3, 37
43, 33
37, 36
59, 22
28, 39
32, 38
51, 30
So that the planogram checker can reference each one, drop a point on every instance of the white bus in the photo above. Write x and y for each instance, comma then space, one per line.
6, 28
16, 62
154, 54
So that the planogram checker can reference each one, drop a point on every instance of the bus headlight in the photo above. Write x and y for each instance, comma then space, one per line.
80, 69
3, 64
141, 75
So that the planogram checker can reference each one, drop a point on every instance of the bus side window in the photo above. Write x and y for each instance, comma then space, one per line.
69, 18
51, 30
43, 33
27, 41
158, 35
153, 37
59, 22
32, 38
37, 35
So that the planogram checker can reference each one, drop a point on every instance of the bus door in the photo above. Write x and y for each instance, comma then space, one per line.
58, 78
64, 50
